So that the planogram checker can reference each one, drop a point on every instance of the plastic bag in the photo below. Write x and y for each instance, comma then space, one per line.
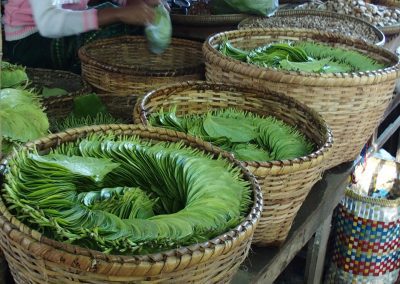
256, 7
159, 33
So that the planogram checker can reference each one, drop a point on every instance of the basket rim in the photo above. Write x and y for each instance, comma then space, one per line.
140, 113
314, 12
137, 70
85, 87
371, 200
387, 30
391, 30
228, 239
328, 79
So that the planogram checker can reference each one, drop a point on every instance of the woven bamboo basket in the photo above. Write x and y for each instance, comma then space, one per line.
352, 104
118, 105
312, 22
33, 258
285, 184
124, 64
65, 80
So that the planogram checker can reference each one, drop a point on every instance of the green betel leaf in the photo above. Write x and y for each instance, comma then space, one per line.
21, 115
311, 66
235, 130
71, 121
12, 75
94, 168
159, 33
250, 152
53, 92
88, 105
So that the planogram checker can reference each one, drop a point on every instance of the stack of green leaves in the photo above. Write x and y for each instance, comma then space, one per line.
123, 195
249, 136
12, 76
22, 118
303, 56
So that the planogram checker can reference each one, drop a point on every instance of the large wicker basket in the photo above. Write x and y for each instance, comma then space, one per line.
68, 81
285, 184
124, 64
311, 21
33, 258
352, 104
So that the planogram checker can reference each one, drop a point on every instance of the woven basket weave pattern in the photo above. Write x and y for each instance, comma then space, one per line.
34, 258
124, 64
352, 104
285, 184
336, 17
118, 105
68, 81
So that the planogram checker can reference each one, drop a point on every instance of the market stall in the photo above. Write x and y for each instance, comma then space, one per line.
211, 148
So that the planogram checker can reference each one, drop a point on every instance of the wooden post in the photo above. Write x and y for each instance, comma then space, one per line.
316, 253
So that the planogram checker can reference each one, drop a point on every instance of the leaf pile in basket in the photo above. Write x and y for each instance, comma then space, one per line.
12, 75
249, 136
123, 195
303, 56
87, 110
21, 118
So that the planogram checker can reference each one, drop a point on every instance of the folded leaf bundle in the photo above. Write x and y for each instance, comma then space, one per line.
12, 75
123, 195
250, 137
21, 117
303, 56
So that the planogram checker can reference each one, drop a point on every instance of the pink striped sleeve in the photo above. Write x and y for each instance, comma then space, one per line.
90, 20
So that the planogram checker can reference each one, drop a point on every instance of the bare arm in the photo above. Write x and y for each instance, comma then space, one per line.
55, 22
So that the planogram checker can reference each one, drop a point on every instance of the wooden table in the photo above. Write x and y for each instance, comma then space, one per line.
312, 222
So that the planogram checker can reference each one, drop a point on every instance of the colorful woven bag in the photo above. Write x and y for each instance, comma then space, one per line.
366, 246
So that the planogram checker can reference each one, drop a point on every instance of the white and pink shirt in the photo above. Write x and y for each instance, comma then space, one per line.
25, 17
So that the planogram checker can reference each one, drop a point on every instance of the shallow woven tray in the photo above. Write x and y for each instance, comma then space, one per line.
352, 104
207, 20
287, 13
119, 106
33, 258
285, 184
124, 65
49, 78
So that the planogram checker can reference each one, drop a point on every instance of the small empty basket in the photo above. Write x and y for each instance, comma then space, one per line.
125, 65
